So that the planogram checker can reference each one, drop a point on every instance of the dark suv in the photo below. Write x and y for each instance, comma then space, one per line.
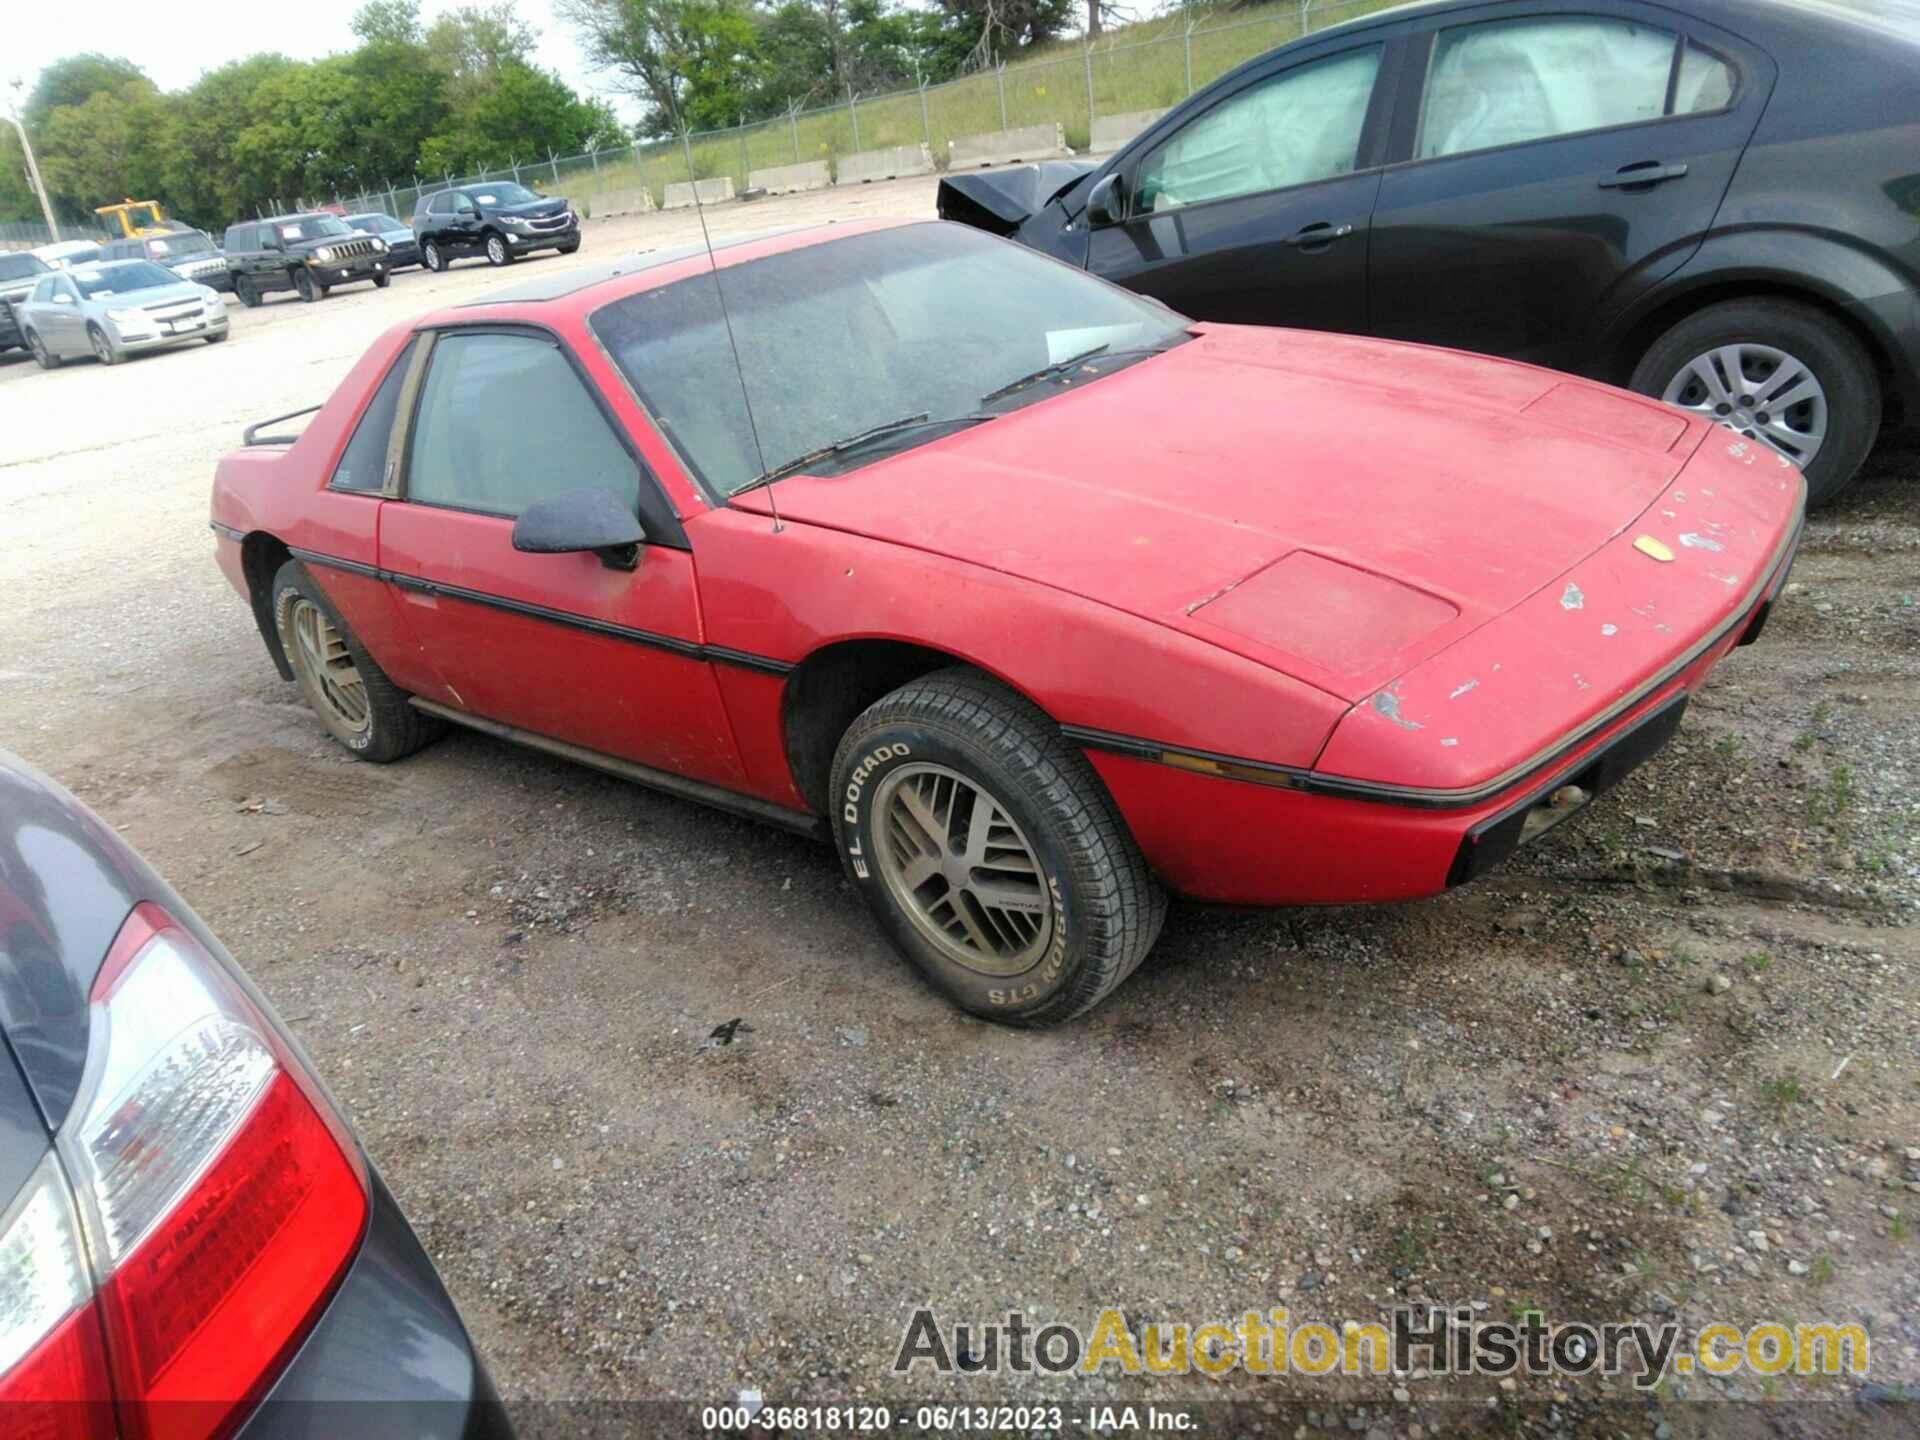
500, 221
19, 273
189, 253
308, 253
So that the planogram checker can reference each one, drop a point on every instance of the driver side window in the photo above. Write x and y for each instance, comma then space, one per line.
462, 205
504, 421
1295, 128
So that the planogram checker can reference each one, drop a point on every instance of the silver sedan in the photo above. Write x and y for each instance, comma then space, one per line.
116, 309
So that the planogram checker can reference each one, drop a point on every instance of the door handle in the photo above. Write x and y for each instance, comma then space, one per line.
1315, 236
1646, 172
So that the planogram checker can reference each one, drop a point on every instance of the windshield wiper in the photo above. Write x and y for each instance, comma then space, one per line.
853, 442
1059, 367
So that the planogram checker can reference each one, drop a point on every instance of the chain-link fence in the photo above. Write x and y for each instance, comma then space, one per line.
1108, 77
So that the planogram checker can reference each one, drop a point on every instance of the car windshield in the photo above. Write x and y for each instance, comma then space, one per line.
313, 227
373, 224
922, 323
506, 194
173, 247
121, 279
22, 267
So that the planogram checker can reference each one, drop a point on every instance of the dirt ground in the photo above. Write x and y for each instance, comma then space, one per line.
1535, 1093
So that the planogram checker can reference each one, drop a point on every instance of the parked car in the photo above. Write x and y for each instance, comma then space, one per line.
308, 253
500, 221
193, 1240
1712, 201
402, 249
65, 254
189, 253
1068, 603
116, 309
19, 273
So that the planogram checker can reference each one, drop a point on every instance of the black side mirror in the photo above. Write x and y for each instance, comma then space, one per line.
1104, 202
594, 519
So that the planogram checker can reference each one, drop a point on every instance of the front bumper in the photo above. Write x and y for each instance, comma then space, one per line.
389, 1360
345, 272
526, 242
132, 342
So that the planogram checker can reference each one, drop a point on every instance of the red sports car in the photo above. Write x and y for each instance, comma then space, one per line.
1041, 600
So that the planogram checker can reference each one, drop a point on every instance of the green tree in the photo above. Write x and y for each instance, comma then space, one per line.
470, 45
388, 22
71, 81
695, 62
109, 147
524, 115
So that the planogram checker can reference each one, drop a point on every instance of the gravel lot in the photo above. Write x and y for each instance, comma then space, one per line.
1534, 1093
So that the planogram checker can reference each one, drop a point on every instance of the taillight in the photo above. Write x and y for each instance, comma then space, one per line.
219, 1196
53, 1382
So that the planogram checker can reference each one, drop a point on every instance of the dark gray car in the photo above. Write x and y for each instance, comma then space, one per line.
183, 1211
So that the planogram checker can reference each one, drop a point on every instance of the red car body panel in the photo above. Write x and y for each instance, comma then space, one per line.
1359, 598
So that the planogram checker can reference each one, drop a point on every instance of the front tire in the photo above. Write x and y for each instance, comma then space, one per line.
361, 708
989, 852
309, 291
498, 253
1778, 373
382, 279
103, 350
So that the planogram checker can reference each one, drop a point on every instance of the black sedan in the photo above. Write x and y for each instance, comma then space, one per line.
401, 245
193, 1243
1714, 201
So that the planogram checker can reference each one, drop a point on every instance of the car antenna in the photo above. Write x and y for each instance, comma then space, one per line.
713, 267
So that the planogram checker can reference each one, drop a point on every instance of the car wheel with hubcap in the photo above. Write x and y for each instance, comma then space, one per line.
42, 356
361, 708
431, 258
1779, 374
990, 853
497, 251
103, 350
309, 291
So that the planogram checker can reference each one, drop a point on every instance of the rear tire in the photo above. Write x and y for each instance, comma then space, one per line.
1773, 343
989, 852
431, 257
42, 356
361, 708
243, 289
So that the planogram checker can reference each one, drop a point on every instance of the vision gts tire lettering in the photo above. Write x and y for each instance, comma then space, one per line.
989, 852
361, 708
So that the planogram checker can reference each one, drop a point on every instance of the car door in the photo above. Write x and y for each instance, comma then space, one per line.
1557, 162
568, 647
1255, 209
463, 227
62, 328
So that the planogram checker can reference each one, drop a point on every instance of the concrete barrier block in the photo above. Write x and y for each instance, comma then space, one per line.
621, 202
1111, 132
680, 194
1006, 147
789, 179
888, 164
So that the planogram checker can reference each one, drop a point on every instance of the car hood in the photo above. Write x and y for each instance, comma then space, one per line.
1336, 508
998, 201
153, 298
532, 210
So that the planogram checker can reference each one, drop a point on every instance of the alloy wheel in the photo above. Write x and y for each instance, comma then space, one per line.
432, 256
102, 347
41, 355
1758, 391
496, 250
324, 656
962, 871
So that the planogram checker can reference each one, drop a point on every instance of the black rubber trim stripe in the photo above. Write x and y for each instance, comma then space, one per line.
672, 644
227, 530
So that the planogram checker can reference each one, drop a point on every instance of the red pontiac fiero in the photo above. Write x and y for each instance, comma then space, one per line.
1042, 600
